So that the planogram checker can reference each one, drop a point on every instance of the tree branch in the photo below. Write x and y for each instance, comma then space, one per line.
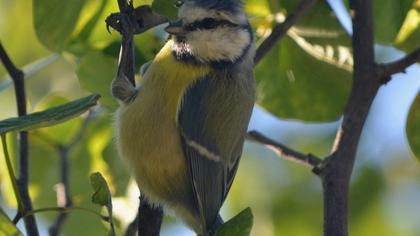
337, 169
284, 151
388, 69
281, 29
23, 176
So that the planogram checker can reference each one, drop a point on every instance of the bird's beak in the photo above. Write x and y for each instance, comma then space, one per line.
175, 28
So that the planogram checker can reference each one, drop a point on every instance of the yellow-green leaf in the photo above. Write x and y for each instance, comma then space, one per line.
7, 228
413, 127
50, 116
102, 196
55, 21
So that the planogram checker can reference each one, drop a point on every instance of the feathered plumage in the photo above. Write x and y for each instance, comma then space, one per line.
183, 134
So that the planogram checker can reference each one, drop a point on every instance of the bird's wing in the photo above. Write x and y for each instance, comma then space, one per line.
212, 123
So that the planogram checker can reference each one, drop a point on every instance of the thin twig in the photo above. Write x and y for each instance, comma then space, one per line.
17, 76
281, 29
388, 69
68, 209
284, 151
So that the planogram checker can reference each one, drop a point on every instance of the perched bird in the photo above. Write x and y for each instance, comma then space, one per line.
182, 129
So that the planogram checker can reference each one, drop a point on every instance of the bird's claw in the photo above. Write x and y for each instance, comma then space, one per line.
134, 21
117, 21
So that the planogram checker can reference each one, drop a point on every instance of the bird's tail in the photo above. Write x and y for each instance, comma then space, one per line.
211, 231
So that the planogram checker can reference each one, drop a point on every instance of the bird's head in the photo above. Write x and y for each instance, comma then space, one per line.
210, 31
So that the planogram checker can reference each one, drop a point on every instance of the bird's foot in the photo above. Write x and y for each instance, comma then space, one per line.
134, 21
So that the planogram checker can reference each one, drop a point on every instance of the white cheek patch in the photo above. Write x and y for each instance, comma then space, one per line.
223, 43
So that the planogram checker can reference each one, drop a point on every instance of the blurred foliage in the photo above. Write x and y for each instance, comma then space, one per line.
409, 35
307, 76
389, 17
165, 8
413, 127
55, 20
7, 228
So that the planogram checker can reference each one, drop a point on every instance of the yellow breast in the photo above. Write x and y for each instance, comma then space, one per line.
147, 133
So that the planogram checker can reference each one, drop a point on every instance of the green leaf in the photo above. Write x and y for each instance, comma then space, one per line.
90, 25
50, 116
409, 36
307, 75
102, 195
165, 8
240, 225
366, 189
96, 71
294, 85
389, 16
413, 127
55, 21
7, 227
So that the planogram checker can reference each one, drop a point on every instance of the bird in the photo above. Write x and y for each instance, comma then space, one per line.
181, 131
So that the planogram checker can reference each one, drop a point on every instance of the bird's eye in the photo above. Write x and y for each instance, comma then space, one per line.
179, 3
209, 23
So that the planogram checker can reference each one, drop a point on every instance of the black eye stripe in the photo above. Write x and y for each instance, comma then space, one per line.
208, 23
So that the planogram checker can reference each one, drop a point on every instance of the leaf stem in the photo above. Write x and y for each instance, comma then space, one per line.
67, 209
11, 173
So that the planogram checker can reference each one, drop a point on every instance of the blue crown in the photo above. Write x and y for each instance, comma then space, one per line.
226, 5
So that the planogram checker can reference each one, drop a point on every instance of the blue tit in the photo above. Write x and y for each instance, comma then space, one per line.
182, 130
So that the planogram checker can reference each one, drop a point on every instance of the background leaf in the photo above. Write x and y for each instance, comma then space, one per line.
307, 75
165, 7
413, 127
98, 80
55, 21
409, 35
389, 17
240, 225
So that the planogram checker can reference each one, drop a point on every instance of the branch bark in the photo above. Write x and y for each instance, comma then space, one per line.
388, 69
287, 153
337, 169
17, 76
281, 29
